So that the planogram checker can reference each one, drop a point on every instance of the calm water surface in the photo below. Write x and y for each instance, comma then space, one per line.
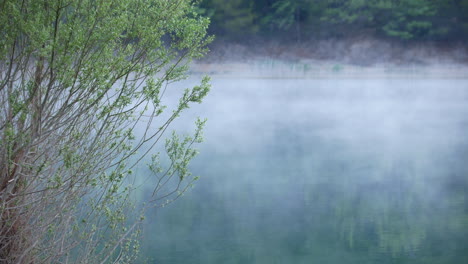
324, 171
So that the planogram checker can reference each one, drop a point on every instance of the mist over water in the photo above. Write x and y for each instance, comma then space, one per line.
323, 171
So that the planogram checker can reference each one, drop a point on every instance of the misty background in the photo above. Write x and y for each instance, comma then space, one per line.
336, 134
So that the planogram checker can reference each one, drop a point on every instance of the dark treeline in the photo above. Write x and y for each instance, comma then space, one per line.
408, 20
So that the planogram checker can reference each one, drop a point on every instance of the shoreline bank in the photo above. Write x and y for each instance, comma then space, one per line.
359, 58
309, 69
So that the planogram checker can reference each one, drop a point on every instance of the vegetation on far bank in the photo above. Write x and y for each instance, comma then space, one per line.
298, 20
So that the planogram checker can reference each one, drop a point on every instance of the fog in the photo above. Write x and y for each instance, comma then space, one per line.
322, 170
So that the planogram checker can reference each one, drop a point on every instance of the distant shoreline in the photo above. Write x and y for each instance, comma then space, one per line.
307, 69
361, 58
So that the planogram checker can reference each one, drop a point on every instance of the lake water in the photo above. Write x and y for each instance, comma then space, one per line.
323, 171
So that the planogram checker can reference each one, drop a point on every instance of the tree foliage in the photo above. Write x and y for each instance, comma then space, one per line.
76, 78
233, 18
399, 19
405, 19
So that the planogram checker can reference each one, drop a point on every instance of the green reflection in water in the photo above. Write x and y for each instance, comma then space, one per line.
318, 191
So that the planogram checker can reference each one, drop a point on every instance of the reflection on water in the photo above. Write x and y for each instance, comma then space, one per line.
324, 171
